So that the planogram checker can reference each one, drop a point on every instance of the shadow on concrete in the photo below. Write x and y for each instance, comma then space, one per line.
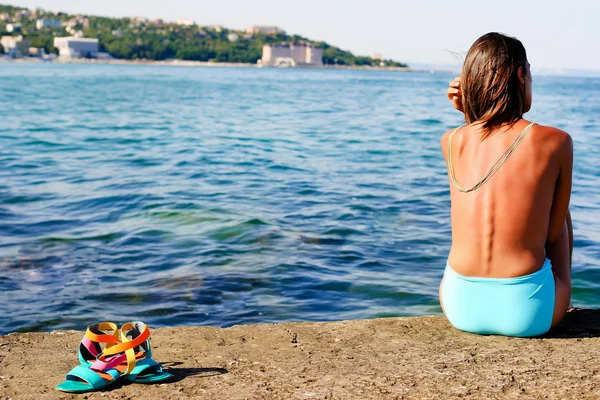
578, 323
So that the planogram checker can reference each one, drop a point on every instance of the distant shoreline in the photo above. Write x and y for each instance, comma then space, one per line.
185, 63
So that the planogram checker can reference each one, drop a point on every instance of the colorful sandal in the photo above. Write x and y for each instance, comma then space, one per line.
145, 370
105, 357
89, 377
133, 356
91, 348
84, 379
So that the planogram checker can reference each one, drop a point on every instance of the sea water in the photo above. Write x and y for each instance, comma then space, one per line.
221, 196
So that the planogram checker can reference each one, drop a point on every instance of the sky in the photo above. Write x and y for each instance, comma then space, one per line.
557, 34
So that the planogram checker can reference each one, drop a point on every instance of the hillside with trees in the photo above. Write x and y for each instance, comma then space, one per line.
141, 38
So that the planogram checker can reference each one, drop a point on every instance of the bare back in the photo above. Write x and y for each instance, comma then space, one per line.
501, 229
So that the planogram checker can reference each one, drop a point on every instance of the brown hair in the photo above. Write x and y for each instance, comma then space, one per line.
491, 91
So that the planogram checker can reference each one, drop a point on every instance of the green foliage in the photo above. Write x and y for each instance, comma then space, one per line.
9, 9
131, 39
43, 41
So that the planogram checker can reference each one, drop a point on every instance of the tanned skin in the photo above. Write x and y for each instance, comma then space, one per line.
509, 226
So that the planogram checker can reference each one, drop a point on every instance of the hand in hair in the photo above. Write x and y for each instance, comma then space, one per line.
455, 95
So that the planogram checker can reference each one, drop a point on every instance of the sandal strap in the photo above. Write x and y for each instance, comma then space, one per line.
127, 346
144, 333
112, 337
105, 333
94, 351
111, 362
142, 366
91, 377
90, 346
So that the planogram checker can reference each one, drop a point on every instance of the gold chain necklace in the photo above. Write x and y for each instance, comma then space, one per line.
497, 165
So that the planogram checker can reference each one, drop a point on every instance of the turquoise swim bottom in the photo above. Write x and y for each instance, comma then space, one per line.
521, 306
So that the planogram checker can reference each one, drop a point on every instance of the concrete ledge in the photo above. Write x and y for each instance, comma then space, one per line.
402, 358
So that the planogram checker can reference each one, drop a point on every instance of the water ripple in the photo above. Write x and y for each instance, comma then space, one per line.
223, 196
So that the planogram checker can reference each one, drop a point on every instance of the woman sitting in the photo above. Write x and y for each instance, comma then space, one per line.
508, 270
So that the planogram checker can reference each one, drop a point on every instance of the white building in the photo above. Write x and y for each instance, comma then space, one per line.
10, 28
232, 37
314, 55
15, 46
73, 47
265, 30
37, 52
136, 22
70, 25
185, 22
290, 55
47, 23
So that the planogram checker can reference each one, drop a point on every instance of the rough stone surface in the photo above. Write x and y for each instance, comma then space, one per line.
393, 358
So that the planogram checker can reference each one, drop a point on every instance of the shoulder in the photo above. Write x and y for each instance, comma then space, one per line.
558, 144
554, 138
553, 135
445, 139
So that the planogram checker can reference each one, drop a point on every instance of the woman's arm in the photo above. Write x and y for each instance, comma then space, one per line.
562, 192
558, 241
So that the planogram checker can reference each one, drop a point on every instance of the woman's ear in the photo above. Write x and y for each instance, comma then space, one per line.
521, 75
